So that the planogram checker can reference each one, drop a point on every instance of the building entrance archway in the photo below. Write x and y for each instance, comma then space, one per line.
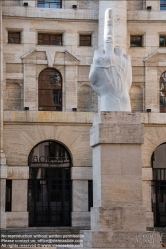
159, 186
49, 186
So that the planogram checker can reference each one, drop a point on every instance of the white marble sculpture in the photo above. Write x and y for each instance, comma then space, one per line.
111, 74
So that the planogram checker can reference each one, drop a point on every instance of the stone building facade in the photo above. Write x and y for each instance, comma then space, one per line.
40, 39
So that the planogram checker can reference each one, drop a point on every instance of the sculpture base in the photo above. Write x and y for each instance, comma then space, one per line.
118, 218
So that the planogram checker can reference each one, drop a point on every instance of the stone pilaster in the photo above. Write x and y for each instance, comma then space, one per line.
3, 168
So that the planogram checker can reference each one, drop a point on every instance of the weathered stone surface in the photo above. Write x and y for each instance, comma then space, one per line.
81, 218
17, 219
3, 170
19, 195
117, 118
2, 203
119, 239
80, 201
18, 173
118, 218
116, 133
81, 173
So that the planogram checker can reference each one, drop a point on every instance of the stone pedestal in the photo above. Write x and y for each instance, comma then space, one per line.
118, 218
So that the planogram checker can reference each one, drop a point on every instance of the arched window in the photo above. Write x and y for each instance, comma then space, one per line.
49, 185
50, 90
159, 185
163, 92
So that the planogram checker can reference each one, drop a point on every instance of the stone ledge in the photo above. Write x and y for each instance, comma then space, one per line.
48, 117
153, 118
48, 13
117, 118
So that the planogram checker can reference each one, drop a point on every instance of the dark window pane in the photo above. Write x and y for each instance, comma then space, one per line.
50, 90
136, 41
85, 40
8, 205
162, 4
90, 194
50, 4
49, 39
14, 37
162, 86
162, 41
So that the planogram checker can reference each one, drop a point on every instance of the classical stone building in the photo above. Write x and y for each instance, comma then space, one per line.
47, 106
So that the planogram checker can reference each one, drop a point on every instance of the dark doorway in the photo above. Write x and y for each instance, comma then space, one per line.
49, 195
159, 186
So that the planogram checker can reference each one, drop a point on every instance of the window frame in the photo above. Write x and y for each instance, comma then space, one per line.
56, 2
163, 6
16, 33
90, 35
49, 35
141, 36
47, 90
164, 36
162, 93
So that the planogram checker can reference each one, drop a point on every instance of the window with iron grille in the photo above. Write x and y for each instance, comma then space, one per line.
163, 92
50, 39
50, 4
162, 41
8, 205
136, 41
159, 185
14, 37
50, 90
162, 4
85, 40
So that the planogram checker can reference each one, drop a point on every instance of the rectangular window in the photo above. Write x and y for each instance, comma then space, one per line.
162, 41
85, 40
14, 37
50, 4
8, 204
136, 41
162, 4
50, 39
90, 194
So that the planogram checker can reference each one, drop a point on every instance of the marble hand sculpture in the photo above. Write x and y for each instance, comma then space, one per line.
111, 74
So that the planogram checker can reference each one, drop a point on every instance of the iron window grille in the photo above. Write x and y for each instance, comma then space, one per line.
49, 185
14, 37
50, 4
50, 39
85, 40
159, 197
162, 4
135, 41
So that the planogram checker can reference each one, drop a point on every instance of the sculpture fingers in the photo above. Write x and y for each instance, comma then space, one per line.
109, 36
98, 59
